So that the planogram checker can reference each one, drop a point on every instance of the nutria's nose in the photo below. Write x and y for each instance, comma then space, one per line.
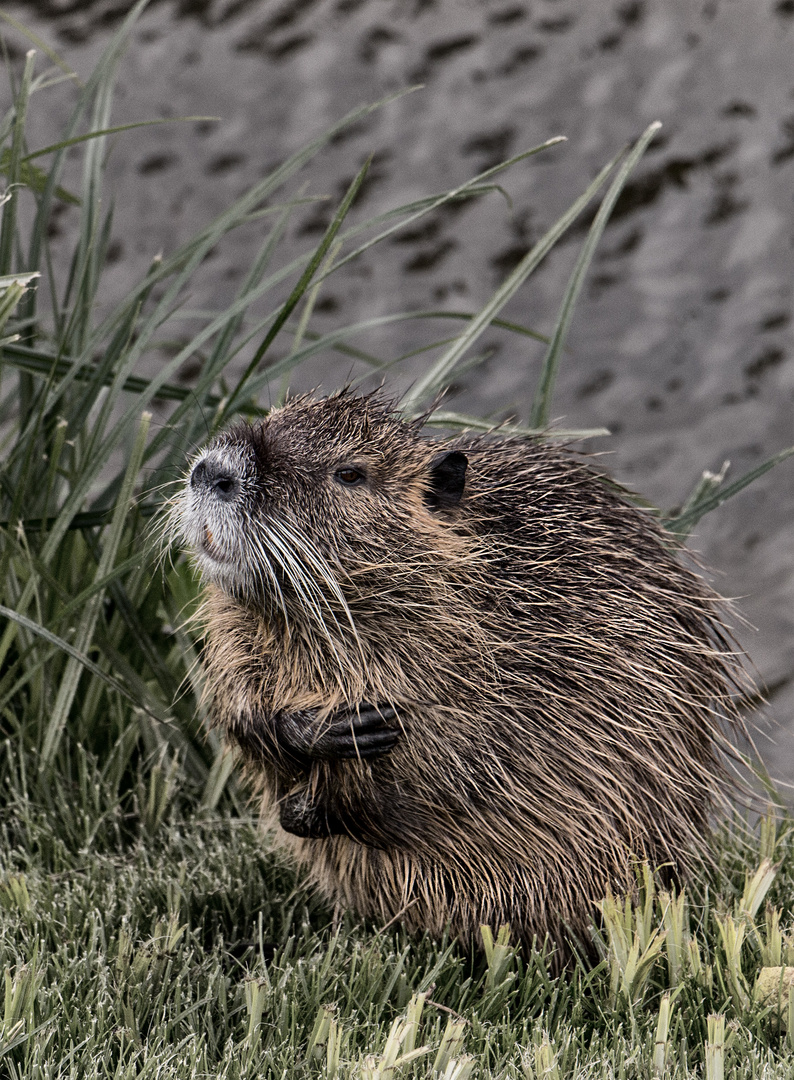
215, 478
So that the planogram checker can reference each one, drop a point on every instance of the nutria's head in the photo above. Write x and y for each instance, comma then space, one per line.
279, 513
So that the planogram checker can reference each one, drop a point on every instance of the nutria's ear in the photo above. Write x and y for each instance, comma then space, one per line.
447, 479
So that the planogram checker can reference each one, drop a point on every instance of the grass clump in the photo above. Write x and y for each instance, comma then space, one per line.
192, 950
145, 927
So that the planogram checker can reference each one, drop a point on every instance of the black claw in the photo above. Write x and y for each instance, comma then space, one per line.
370, 744
359, 733
352, 733
366, 718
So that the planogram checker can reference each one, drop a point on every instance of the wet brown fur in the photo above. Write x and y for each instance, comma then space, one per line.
563, 680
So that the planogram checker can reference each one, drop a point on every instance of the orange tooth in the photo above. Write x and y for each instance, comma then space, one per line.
208, 535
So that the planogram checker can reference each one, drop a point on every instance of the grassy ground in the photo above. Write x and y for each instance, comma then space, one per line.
145, 928
178, 944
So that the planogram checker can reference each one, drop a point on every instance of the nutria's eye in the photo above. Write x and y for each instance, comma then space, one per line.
349, 476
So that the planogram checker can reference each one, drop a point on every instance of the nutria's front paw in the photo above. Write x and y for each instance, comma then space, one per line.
301, 817
362, 732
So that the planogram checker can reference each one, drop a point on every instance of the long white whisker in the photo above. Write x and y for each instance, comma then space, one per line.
265, 579
310, 596
315, 561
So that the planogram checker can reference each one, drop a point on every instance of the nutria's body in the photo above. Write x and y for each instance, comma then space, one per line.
474, 681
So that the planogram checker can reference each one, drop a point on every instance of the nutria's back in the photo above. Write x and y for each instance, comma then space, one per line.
473, 680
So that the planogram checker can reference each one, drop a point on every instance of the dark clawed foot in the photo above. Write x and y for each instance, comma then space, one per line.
350, 733
362, 733
299, 816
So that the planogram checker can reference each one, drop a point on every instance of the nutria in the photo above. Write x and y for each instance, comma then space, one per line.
474, 681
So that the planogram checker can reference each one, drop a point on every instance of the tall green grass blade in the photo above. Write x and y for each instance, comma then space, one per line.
80, 408
185, 262
219, 776
318, 345
37, 362
104, 69
17, 279
160, 730
73, 653
91, 519
8, 223
42, 364
428, 385
70, 602
34, 178
683, 523
708, 483
41, 44
85, 630
315, 263
101, 132
443, 418
220, 354
415, 211
12, 289
224, 350
311, 297
502, 324
541, 406
90, 248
